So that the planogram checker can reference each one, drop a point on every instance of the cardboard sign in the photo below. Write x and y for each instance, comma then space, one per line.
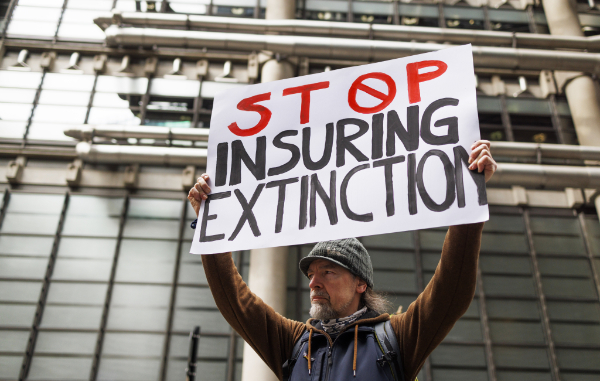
365, 150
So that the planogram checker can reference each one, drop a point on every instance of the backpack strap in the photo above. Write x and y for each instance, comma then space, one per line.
289, 364
387, 340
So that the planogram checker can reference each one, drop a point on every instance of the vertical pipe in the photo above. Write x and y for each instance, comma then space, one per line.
579, 88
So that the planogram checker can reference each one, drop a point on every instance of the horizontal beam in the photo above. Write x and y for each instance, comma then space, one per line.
119, 154
533, 150
546, 176
348, 30
345, 48
87, 132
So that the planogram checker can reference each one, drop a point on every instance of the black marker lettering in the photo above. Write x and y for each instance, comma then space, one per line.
377, 137
344, 142
409, 136
450, 184
452, 136
281, 201
328, 201
462, 157
256, 167
389, 181
412, 184
207, 217
303, 202
221, 175
247, 214
288, 146
324, 160
368, 217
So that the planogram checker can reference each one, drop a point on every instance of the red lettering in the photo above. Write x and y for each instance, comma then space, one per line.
305, 102
414, 78
386, 99
248, 104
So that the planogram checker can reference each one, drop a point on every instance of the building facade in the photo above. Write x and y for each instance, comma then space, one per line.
104, 113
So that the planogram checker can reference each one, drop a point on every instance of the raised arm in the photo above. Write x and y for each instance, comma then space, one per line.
448, 295
271, 335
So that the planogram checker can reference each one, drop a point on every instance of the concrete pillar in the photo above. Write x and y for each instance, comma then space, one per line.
580, 89
268, 280
280, 9
268, 267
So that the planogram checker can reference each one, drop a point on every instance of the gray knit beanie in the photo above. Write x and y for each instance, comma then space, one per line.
348, 253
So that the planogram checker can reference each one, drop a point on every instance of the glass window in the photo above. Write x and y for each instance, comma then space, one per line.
133, 344
59, 368
117, 100
458, 355
76, 293
128, 369
72, 343
20, 291
71, 317
516, 332
536, 358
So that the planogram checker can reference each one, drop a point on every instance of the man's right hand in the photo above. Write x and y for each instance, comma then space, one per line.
199, 192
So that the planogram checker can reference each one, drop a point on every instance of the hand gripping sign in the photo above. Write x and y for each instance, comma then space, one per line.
365, 150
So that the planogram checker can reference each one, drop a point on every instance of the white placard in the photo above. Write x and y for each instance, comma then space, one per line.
365, 150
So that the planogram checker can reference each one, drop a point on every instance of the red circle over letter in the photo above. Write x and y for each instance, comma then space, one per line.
386, 99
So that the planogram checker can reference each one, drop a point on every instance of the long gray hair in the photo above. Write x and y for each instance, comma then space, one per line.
375, 301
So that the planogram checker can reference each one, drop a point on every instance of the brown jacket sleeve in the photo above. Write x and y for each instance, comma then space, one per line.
271, 335
446, 298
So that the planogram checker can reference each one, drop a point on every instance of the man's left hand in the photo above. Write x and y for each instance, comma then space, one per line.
481, 159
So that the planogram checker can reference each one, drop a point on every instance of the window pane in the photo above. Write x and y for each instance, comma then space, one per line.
209, 346
506, 265
65, 343
73, 82
10, 366
26, 246
13, 341
512, 286
133, 344
140, 295
575, 334
521, 357
578, 359
465, 330
512, 309
211, 370
194, 297
16, 315
211, 321
23, 268
458, 355
20, 291
589, 312
26, 80
558, 245
402, 240
513, 332
137, 319
77, 293
558, 287
59, 368
99, 248
71, 317
128, 369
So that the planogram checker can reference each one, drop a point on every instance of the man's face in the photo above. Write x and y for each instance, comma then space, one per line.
333, 290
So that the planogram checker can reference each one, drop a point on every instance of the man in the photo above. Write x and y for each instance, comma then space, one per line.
338, 342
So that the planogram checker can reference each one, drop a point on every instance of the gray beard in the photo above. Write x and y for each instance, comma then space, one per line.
325, 311
322, 311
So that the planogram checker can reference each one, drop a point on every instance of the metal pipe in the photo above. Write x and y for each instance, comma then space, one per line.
351, 30
139, 132
175, 156
546, 176
532, 150
344, 48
